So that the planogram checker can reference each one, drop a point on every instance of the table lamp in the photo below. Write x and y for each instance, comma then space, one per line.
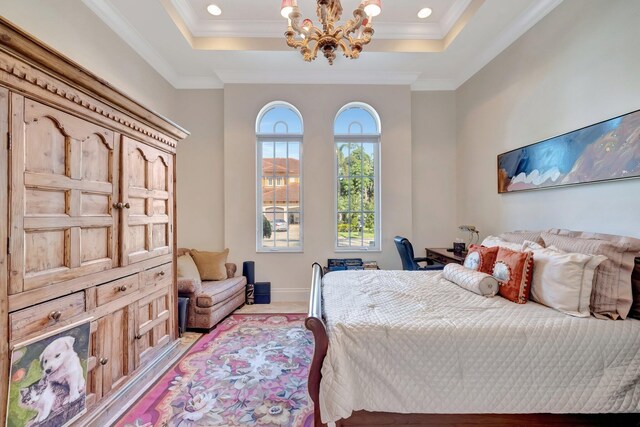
474, 234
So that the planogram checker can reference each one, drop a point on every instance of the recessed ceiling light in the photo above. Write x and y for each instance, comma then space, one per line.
214, 10
425, 13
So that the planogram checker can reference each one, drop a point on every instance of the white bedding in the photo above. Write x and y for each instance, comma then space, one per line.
412, 342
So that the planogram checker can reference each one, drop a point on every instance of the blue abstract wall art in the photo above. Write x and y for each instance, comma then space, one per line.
601, 152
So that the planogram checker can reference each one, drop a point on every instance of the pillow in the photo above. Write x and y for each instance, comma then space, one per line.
635, 283
611, 296
481, 258
492, 241
563, 280
187, 268
471, 280
529, 245
522, 236
211, 265
514, 271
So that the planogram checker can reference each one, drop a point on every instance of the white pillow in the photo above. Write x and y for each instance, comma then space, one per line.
528, 244
187, 268
471, 280
492, 241
563, 280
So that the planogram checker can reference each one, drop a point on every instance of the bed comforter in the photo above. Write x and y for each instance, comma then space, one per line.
413, 342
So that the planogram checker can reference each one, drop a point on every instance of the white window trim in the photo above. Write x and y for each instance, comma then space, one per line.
360, 138
260, 139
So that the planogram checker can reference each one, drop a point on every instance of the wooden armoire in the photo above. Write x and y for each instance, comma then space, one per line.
87, 186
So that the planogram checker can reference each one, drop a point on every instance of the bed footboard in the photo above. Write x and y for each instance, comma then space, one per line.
315, 323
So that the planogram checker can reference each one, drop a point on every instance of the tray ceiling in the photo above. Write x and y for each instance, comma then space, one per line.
193, 49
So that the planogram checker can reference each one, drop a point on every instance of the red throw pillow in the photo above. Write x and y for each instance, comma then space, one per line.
514, 271
481, 258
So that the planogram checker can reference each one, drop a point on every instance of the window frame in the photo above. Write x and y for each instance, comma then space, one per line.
274, 138
374, 139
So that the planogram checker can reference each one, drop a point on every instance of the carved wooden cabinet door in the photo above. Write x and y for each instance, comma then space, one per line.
154, 328
147, 194
63, 184
94, 368
116, 356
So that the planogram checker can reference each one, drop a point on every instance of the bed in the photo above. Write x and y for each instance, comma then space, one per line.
411, 348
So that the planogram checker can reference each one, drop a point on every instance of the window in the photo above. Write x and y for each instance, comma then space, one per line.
357, 167
279, 187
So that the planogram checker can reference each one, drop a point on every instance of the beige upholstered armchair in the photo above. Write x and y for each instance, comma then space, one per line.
211, 301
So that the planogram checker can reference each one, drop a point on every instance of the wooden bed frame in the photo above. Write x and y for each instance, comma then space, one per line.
315, 323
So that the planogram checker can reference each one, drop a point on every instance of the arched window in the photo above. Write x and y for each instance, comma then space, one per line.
357, 132
279, 133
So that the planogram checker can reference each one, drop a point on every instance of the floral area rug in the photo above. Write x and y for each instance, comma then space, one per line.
250, 371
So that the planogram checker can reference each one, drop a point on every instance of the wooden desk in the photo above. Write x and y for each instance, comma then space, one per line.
441, 255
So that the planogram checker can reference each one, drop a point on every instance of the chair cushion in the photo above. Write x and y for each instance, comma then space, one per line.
215, 292
187, 269
211, 265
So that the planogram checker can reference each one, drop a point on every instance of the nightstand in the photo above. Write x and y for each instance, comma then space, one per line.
443, 256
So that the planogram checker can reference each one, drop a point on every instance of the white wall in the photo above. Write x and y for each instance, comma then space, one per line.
200, 169
290, 273
74, 30
433, 130
578, 66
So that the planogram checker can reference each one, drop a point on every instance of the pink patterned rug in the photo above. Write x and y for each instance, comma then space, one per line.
250, 371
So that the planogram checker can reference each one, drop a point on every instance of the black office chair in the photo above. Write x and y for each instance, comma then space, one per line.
409, 262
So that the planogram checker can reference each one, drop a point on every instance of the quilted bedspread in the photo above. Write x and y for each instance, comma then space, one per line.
412, 342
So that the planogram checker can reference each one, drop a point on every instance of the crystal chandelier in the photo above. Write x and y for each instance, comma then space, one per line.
350, 37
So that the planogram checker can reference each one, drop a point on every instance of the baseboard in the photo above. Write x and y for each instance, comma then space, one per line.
290, 295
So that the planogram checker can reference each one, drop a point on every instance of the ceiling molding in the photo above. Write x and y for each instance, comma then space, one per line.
118, 23
109, 14
267, 28
114, 20
186, 12
431, 85
513, 32
198, 82
452, 16
317, 77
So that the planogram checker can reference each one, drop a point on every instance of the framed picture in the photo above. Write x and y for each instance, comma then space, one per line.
47, 382
601, 152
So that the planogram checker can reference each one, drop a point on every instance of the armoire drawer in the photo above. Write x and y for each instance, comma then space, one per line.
117, 289
42, 316
158, 276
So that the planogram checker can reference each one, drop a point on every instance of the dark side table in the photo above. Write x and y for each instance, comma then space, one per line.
443, 256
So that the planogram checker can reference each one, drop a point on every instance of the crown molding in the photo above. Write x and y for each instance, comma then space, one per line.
316, 77
422, 85
523, 23
127, 32
452, 16
267, 28
198, 82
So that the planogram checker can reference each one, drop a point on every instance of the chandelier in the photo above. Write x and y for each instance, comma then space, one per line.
350, 37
